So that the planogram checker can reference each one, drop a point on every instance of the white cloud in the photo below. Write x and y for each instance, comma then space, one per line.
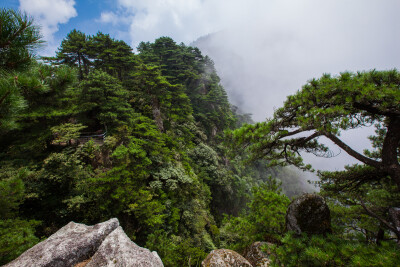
108, 17
184, 20
115, 19
49, 14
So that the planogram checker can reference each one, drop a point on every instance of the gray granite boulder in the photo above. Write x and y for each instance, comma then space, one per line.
309, 214
256, 256
70, 245
118, 250
225, 258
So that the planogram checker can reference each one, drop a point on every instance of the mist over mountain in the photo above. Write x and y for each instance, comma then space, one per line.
259, 68
230, 68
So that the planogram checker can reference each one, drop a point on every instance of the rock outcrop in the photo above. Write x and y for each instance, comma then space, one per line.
256, 256
309, 214
225, 258
68, 246
104, 244
118, 250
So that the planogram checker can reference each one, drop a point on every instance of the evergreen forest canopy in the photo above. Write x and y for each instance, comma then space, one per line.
98, 132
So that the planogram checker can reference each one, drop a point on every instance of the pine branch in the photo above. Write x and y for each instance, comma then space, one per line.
4, 96
351, 151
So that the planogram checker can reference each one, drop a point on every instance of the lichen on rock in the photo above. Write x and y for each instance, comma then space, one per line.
118, 250
70, 245
225, 258
256, 256
101, 245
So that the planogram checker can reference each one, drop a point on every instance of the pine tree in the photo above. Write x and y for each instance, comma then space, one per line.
111, 56
104, 102
73, 52
19, 38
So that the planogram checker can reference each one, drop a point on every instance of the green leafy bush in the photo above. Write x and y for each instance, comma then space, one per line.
175, 250
264, 221
16, 236
333, 251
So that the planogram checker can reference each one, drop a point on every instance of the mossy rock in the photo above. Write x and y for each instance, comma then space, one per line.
309, 214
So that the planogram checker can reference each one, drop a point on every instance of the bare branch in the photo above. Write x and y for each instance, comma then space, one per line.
351, 151
303, 140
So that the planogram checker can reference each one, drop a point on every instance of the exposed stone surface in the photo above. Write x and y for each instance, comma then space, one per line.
225, 258
256, 256
102, 245
70, 245
310, 214
118, 250
83, 263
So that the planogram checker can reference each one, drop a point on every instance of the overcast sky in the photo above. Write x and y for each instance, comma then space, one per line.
264, 49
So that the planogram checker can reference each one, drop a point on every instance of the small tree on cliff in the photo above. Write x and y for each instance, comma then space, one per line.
325, 107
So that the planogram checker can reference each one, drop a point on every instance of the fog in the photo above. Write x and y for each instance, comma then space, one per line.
271, 53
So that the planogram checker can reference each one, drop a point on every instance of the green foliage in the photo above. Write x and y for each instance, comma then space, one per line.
66, 132
264, 220
19, 37
11, 102
332, 251
268, 209
103, 98
16, 236
351, 217
12, 191
155, 97
74, 52
100, 52
186, 66
175, 251
109, 55
49, 100
50, 187
123, 191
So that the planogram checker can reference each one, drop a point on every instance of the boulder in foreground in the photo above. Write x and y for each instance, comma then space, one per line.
70, 245
102, 245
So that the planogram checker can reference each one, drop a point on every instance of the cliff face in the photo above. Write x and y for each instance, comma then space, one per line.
104, 244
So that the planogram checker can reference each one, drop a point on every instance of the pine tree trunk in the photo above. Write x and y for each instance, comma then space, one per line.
390, 148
